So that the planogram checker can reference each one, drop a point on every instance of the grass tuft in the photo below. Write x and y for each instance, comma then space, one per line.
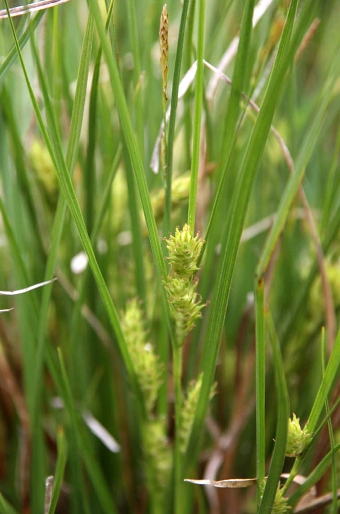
191, 334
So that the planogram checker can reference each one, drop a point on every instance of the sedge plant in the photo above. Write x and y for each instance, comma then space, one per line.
169, 173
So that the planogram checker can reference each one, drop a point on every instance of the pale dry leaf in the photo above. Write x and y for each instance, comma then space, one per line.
26, 289
94, 425
20, 10
231, 483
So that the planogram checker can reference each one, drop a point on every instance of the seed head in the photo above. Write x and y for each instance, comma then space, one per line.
164, 48
184, 251
145, 361
298, 439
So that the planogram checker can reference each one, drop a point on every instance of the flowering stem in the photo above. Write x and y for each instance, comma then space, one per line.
177, 371
197, 117
293, 473
260, 386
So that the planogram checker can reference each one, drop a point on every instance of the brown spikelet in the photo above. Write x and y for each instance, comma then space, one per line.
164, 47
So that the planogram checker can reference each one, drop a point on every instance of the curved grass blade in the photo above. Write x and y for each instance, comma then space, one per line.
233, 228
72, 150
5, 507
334, 480
27, 289
21, 169
60, 468
314, 477
260, 384
12, 55
134, 153
54, 146
331, 372
197, 118
278, 457
294, 181
93, 470
325, 389
237, 86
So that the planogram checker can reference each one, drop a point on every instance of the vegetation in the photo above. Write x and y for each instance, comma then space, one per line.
169, 186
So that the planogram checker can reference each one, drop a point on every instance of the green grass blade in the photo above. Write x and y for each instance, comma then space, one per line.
331, 190
260, 385
134, 153
330, 432
331, 372
299, 308
74, 136
301, 162
276, 465
139, 109
24, 38
5, 507
89, 182
92, 467
80, 96
54, 147
23, 181
238, 86
233, 229
172, 120
314, 477
233, 110
72, 150
196, 151
137, 239
60, 468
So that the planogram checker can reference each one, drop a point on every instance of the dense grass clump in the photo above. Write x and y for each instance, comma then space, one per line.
169, 244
